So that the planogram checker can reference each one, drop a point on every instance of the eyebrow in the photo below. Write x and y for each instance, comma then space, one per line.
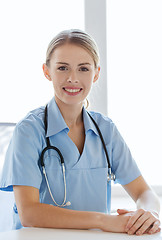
84, 64
80, 64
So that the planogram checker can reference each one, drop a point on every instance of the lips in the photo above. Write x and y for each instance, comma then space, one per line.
72, 90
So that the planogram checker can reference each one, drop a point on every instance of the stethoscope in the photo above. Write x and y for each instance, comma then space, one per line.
110, 175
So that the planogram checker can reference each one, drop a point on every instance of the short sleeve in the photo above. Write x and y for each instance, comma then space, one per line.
123, 164
21, 163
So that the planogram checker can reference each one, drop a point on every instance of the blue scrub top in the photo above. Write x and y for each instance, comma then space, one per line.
86, 174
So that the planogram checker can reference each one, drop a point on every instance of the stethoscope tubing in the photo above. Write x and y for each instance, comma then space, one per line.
56, 149
48, 148
110, 175
102, 140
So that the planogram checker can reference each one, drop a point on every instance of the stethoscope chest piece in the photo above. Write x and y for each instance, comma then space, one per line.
110, 176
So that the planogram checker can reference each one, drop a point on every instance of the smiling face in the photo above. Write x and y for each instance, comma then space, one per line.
72, 72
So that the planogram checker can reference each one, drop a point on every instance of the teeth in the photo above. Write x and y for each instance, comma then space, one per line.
72, 90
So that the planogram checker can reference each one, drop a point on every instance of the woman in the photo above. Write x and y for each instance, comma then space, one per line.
80, 198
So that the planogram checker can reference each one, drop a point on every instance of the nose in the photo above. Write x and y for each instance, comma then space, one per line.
72, 77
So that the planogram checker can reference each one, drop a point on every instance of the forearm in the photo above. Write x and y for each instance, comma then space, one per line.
48, 216
149, 201
32, 213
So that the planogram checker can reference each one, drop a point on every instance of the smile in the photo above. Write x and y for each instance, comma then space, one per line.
71, 90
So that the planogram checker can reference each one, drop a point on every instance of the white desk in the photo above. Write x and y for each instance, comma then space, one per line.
63, 234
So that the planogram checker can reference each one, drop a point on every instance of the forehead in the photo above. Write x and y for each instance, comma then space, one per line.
69, 52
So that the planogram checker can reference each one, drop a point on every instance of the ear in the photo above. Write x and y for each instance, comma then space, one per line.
46, 71
96, 74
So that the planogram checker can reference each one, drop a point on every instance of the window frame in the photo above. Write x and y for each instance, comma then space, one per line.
99, 94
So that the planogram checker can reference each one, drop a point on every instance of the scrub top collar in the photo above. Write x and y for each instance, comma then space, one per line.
88, 124
57, 124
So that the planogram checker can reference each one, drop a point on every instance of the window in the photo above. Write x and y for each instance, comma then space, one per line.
28, 27
134, 55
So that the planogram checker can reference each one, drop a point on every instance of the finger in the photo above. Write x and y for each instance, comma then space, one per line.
147, 231
159, 230
147, 224
139, 225
122, 211
133, 219
155, 228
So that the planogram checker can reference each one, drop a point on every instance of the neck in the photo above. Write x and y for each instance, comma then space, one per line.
72, 113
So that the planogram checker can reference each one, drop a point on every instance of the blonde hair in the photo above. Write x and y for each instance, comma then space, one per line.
74, 36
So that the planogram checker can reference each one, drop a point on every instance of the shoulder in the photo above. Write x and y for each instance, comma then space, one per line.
105, 124
102, 120
32, 123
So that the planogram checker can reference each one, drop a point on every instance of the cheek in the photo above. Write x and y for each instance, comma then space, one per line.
88, 85
58, 78
88, 77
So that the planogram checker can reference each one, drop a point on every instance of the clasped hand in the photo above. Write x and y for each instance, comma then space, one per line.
141, 221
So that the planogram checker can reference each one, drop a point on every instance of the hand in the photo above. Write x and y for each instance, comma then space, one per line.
141, 222
114, 223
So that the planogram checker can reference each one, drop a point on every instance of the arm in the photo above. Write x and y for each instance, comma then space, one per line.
143, 195
32, 213
146, 218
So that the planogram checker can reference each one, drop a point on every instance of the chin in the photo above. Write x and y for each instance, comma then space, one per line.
69, 100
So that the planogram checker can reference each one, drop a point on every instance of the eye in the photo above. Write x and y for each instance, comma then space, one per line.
84, 69
62, 68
